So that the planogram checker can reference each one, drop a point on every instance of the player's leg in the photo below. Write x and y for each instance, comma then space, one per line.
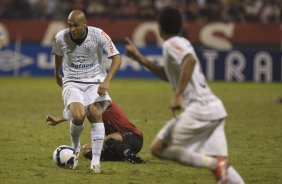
187, 157
76, 124
163, 138
73, 100
225, 173
95, 107
211, 146
106, 154
188, 136
216, 145
130, 145
119, 146
158, 146
233, 176
97, 134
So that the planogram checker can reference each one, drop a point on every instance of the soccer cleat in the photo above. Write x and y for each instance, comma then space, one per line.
134, 159
221, 170
75, 162
95, 169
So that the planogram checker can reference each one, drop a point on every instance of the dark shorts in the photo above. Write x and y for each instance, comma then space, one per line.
131, 140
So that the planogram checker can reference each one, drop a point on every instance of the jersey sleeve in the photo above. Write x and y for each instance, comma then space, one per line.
178, 49
108, 45
56, 47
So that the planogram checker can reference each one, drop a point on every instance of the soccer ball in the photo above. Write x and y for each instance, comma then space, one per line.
64, 156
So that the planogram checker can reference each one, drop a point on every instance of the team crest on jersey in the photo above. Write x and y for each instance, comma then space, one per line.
87, 48
80, 59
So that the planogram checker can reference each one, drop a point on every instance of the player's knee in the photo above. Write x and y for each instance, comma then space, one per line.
78, 118
157, 148
155, 152
95, 113
78, 113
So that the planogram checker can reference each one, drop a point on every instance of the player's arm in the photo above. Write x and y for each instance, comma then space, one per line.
57, 70
53, 121
116, 61
133, 52
187, 68
2, 40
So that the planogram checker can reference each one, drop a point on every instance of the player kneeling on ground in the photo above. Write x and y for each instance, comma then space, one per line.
196, 136
122, 142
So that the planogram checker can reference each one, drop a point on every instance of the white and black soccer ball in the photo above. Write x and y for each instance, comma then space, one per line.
64, 156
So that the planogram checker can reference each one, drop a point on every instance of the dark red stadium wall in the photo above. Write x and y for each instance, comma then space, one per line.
252, 34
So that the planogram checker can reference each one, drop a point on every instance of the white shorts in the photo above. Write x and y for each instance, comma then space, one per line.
85, 94
206, 137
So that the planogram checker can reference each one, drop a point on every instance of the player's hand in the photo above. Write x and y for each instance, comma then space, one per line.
103, 87
176, 104
131, 50
59, 80
51, 120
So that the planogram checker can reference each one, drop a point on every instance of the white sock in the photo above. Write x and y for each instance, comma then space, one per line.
97, 139
183, 156
233, 176
75, 132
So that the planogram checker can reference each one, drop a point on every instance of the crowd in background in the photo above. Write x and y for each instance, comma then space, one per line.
192, 10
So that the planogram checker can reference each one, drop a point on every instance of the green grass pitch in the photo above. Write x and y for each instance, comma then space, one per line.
253, 129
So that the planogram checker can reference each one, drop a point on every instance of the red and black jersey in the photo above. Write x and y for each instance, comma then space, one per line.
115, 120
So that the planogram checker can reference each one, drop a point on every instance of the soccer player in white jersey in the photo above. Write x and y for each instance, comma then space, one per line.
78, 52
196, 136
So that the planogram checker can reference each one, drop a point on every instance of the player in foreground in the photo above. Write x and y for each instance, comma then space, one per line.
122, 142
78, 52
196, 136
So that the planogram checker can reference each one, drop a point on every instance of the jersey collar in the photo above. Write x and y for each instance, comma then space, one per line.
79, 41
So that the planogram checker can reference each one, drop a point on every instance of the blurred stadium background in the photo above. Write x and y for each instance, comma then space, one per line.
236, 40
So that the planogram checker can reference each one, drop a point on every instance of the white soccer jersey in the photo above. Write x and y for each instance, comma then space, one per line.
199, 101
83, 63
